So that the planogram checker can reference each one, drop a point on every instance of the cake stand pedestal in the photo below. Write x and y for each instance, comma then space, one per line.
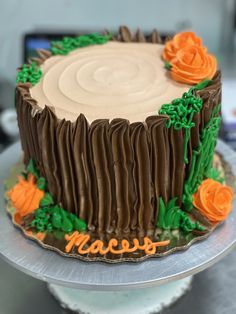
140, 301
142, 287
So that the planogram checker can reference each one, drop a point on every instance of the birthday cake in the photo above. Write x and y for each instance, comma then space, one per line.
118, 134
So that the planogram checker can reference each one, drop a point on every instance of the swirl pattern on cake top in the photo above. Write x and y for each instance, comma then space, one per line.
125, 80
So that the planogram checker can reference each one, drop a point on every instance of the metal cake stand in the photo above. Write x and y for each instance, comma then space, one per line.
159, 281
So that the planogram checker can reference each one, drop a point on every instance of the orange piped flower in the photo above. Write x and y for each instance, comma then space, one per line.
213, 200
181, 40
192, 65
189, 59
25, 196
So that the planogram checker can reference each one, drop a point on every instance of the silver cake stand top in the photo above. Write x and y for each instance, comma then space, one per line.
29, 257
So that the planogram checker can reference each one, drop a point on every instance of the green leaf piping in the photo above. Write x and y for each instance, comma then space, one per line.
31, 168
50, 216
41, 183
30, 73
182, 110
68, 44
171, 217
202, 158
215, 174
47, 200
167, 65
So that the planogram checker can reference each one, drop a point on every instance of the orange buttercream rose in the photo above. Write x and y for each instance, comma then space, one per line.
180, 41
192, 65
190, 62
25, 196
213, 200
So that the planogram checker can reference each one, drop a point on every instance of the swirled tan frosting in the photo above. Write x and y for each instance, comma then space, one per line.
115, 80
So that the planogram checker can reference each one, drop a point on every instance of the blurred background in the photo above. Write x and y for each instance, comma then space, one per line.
28, 24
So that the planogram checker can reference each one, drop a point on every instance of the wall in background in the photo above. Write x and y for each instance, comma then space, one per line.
211, 19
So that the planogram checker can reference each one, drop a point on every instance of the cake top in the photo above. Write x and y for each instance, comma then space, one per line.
114, 80
105, 79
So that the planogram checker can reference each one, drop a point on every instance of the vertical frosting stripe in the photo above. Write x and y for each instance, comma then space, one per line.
123, 173
142, 176
102, 159
83, 171
177, 165
33, 128
211, 96
70, 167
21, 107
62, 144
49, 149
160, 158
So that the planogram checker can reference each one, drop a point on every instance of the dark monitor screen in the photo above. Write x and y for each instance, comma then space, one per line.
34, 41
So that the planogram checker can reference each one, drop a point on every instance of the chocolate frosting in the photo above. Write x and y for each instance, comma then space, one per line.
110, 174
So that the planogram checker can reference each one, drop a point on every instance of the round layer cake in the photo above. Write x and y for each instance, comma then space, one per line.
118, 139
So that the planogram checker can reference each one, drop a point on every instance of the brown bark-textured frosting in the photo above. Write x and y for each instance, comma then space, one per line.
126, 35
111, 174
211, 96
